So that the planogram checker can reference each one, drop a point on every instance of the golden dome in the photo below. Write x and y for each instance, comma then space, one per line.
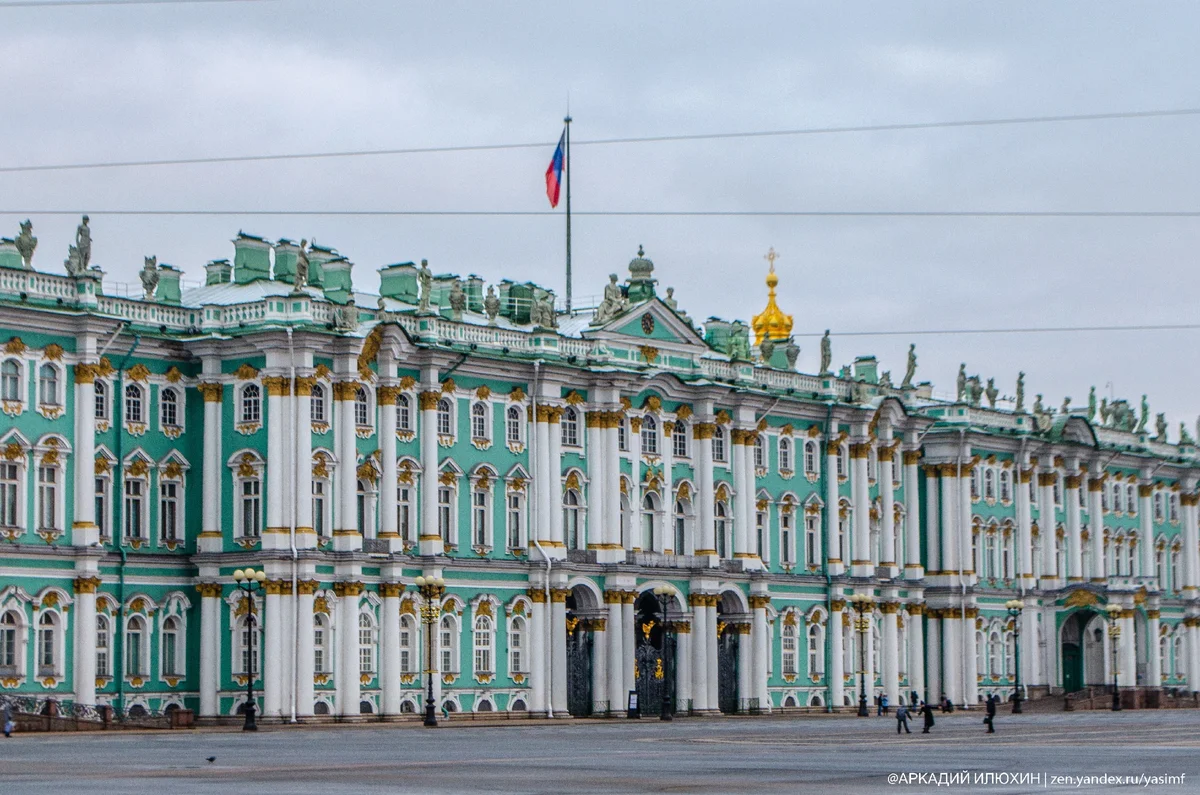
771, 322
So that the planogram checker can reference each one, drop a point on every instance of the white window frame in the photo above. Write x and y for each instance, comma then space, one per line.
410, 645
406, 517
784, 453
788, 649
249, 405
482, 512
13, 641
55, 383
128, 403
364, 410
569, 431
368, 640
102, 400
518, 656
573, 519
448, 509
679, 440
481, 422
143, 498
448, 653
514, 431
720, 448
55, 637
143, 656
178, 616
163, 424
649, 435
483, 643
58, 497
12, 385
445, 419
318, 405
322, 634
760, 452
104, 639
812, 458
514, 510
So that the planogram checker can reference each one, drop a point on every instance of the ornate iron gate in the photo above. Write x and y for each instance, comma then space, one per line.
727, 670
650, 677
579, 668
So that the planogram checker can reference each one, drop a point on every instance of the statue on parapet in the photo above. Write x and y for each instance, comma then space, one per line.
425, 282
1160, 427
1145, 418
300, 278
826, 354
992, 392
1184, 436
458, 299
73, 263
912, 367
1105, 412
612, 305
739, 345
26, 243
541, 312
83, 241
1066, 406
961, 384
491, 305
149, 276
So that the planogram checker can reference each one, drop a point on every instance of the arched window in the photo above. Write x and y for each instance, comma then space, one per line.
1009, 655
251, 404
760, 452
626, 541
649, 519
989, 484
995, 653
321, 656
718, 444
1005, 486
721, 528
168, 408
135, 646
316, 404
571, 523
811, 459
448, 631
404, 422
622, 435
516, 646
788, 648
10, 655
10, 381
47, 645
444, 425
760, 536
320, 492
1118, 498
975, 483
483, 645
816, 649
134, 405
812, 540
366, 644
101, 396
842, 462
785, 454
362, 408
479, 424
408, 644
679, 439
1164, 656
48, 518
512, 425
103, 638
570, 427
480, 517
650, 435
786, 533
446, 514
170, 647
981, 657
48, 385
251, 504
1158, 506
1131, 500
516, 539
680, 547
1179, 666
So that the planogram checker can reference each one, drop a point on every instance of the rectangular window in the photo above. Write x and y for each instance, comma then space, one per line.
514, 650
251, 508
445, 505
366, 656
8, 495
134, 497
102, 507
318, 507
447, 651
168, 526
514, 521
785, 535
479, 517
101, 650
46, 649
168, 654
403, 512
8, 647
318, 649
811, 553
47, 498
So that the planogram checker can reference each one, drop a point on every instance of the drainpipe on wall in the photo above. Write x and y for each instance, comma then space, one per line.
118, 480
292, 529
548, 635
829, 528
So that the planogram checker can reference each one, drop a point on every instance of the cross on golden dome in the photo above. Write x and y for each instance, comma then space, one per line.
771, 323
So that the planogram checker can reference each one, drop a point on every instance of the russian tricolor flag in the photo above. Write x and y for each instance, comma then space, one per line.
554, 172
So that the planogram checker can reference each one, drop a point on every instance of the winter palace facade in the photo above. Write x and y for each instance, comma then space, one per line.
557, 469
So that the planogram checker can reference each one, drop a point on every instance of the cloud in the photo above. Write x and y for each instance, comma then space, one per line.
938, 66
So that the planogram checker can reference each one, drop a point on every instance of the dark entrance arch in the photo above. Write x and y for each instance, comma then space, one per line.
653, 655
1073, 650
579, 655
727, 656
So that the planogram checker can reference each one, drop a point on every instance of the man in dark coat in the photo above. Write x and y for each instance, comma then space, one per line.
991, 714
927, 711
902, 719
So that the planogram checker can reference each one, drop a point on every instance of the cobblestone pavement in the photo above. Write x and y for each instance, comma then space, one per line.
717, 755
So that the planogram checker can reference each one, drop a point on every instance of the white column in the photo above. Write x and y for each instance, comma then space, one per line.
273, 650
599, 666
1048, 529
890, 656
952, 655
429, 540
388, 476
951, 565
558, 649
287, 645
887, 518
275, 535
970, 661
743, 486
835, 667
210, 517
83, 528
1191, 545
597, 499
706, 544
348, 685
1024, 561
305, 691
683, 668
964, 527
758, 635
1028, 643
916, 649
210, 643
933, 532
1193, 653
913, 569
629, 642
1074, 529
1154, 662
667, 525
554, 485
860, 564
542, 477
699, 652
345, 522
537, 658
389, 647
833, 553
745, 667
618, 661
710, 626
84, 670
1096, 528
1127, 673
301, 442
934, 687
612, 496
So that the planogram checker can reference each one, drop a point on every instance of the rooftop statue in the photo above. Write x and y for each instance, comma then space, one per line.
991, 392
1066, 406
73, 263
1091, 413
912, 367
491, 305
1184, 436
767, 349
670, 299
974, 390
458, 299
346, 317
1105, 412
826, 354
739, 344
885, 379
425, 280
792, 352
961, 384
1160, 426
1020, 392
300, 278
1141, 426
149, 276
1037, 405
83, 241
614, 302
26, 243
541, 312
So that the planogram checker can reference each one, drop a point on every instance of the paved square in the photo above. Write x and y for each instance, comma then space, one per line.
768, 755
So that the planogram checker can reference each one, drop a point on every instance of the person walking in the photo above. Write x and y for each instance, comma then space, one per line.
902, 719
991, 714
878, 705
7, 719
927, 711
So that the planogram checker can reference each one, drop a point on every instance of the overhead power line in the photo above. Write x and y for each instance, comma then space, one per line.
66, 3
645, 213
1027, 330
184, 161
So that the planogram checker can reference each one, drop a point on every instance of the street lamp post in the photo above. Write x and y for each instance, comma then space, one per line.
248, 581
662, 595
1114, 635
862, 604
1015, 606
432, 589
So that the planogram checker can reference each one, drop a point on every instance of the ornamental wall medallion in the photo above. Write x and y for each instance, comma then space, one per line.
648, 323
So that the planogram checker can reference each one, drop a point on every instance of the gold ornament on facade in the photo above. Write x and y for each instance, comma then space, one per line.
772, 322
649, 353
174, 376
683, 411
367, 471
448, 386
246, 372
212, 392
85, 373
428, 401
139, 372
246, 466
723, 417
209, 589
53, 352
15, 346
684, 492
277, 386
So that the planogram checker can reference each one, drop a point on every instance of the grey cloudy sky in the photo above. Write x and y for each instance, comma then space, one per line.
139, 82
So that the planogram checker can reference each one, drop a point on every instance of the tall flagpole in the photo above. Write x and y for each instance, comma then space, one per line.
567, 168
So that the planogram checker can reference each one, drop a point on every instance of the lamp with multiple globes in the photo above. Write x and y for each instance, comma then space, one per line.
863, 604
431, 589
248, 581
1014, 607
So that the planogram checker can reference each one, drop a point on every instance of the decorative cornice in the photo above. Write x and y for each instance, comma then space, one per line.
212, 392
